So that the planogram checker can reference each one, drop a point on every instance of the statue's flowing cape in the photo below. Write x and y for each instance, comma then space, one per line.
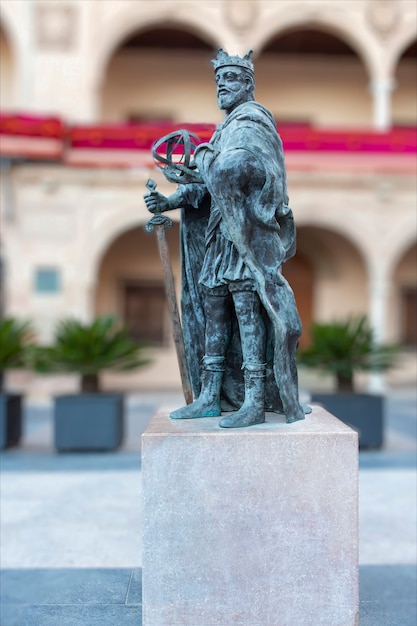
244, 177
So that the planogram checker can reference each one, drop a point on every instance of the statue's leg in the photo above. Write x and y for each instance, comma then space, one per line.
217, 338
252, 334
218, 319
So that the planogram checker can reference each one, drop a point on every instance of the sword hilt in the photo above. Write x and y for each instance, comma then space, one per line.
158, 219
151, 185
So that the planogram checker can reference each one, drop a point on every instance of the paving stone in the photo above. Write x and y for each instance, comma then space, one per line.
392, 614
388, 460
134, 595
388, 516
75, 615
386, 600
388, 583
11, 614
64, 586
74, 519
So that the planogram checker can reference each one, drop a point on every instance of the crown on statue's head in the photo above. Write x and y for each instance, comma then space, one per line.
224, 59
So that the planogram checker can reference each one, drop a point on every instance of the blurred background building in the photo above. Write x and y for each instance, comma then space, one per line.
87, 86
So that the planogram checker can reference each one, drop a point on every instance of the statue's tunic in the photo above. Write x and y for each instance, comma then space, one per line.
248, 233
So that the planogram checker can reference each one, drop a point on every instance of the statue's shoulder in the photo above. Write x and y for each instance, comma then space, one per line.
253, 111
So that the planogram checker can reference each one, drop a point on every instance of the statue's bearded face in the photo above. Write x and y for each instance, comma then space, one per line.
233, 87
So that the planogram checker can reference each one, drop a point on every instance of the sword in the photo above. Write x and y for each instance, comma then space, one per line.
158, 223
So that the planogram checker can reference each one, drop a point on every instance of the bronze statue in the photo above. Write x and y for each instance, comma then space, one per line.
240, 321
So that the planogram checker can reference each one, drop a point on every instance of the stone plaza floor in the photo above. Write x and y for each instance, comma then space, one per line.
71, 524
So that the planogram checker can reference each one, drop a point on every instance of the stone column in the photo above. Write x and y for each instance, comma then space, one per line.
26, 56
381, 92
379, 290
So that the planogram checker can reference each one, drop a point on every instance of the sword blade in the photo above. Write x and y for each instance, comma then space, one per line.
174, 313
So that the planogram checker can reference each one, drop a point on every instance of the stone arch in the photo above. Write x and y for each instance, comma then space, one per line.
129, 20
403, 246
404, 99
339, 272
105, 234
130, 283
404, 297
393, 242
9, 61
290, 18
352, 231
405, 38
175, 65
310, 73
10, 30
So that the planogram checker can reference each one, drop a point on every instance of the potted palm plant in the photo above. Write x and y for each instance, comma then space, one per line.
342, 348
90, 420
15, 338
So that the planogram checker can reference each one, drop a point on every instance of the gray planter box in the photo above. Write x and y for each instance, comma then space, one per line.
362, 412
10, 420
89, 422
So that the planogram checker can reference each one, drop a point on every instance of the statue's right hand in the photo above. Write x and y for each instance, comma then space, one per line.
156, 202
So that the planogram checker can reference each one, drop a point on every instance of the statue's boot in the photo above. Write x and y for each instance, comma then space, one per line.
208, 402
252, 410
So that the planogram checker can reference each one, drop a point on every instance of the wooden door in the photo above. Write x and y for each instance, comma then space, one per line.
409, 326
299, 273
144, 312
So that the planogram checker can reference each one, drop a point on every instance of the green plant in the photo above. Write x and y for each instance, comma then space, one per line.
345, 347
16, 336
88, 349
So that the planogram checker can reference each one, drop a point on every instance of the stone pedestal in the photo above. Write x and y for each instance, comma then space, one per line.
254, 526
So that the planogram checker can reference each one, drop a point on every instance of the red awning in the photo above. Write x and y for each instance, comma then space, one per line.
129, 145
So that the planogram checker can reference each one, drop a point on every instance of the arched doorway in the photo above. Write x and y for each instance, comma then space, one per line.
404, 99
328, 276
309, 76
160, 74
130, 284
